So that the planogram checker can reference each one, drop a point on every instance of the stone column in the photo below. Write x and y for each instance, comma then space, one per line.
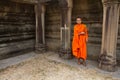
109, 35
43, 22
66, 12
40, 25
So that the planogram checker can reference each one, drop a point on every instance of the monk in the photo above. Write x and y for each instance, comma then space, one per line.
80, 39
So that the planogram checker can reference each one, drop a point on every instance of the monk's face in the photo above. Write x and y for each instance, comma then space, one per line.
78, 20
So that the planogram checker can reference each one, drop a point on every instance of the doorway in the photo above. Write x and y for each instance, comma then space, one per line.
91, 13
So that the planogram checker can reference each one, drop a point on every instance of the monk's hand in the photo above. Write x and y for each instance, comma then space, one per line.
86, 40
81, 33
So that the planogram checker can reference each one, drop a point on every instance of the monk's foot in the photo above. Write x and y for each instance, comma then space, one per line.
79, 63
84, 63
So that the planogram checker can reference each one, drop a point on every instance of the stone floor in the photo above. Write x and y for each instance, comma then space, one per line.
49, 66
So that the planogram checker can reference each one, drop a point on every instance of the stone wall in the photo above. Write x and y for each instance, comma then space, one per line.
17, 28
52, 27
118, 46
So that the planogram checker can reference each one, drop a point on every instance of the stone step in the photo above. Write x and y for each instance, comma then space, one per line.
16, 60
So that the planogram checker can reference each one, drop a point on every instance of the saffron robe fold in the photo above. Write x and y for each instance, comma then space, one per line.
79, 41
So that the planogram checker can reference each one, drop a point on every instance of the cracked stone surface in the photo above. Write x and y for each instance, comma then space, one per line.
45, 67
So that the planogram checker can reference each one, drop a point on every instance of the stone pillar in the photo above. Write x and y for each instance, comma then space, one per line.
109, 35
40, 25
66, 12
43, 22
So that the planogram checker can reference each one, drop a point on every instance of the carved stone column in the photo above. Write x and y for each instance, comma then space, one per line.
109, 35
40, 25
66, 12
43, 22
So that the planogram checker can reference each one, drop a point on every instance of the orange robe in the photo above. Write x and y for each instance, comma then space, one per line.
79, 41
